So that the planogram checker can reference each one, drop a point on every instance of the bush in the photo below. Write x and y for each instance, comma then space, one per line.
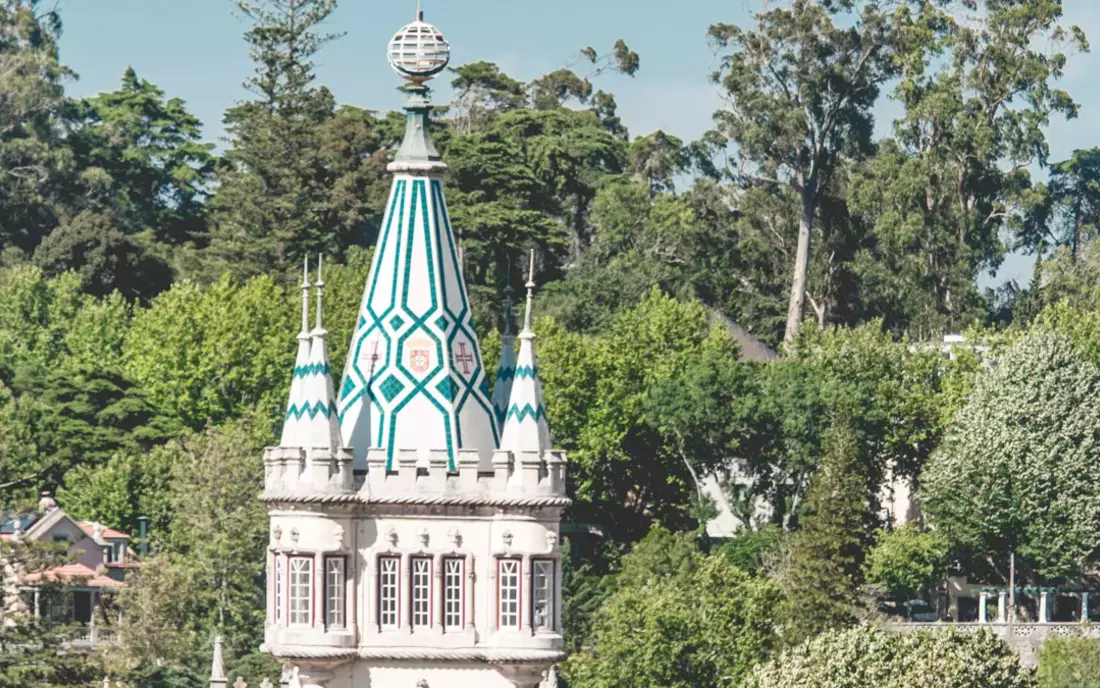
1070, 663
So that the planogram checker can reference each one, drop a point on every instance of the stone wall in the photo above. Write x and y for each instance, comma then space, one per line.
1024, 638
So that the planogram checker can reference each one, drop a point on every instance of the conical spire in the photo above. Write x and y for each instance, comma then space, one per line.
217, 666
506, 368
323, 423
415, 379
525, 426
294, 428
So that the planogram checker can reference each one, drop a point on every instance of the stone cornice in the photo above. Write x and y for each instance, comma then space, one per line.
486, 655
490, 500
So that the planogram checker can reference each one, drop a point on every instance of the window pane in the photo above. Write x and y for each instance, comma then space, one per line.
542, 593
387, 592
452, 594
334, 592
301, 597
421, 592
509, 593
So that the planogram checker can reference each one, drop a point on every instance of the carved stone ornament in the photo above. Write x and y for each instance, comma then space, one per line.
455, 538
507, 538
551, 540
294, 535
391, 535
277, 534
266, 683
338, 537
422, 683
239, 683
422, 535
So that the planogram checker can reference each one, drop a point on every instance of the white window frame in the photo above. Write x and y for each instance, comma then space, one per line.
420, 592
542, 594
280, 581
300, 580
335, 591
454, 599
509, 593
389, 592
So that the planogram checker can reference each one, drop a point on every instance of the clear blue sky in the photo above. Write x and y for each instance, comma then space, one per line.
194, 50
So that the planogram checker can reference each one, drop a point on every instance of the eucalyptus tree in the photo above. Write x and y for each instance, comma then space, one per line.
800, 87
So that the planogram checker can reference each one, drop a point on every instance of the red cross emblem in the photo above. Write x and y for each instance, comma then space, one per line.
463, 358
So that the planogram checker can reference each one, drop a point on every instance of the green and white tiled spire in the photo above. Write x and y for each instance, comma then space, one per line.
506, 368
525, 426
295, 423
414, 378
324, 424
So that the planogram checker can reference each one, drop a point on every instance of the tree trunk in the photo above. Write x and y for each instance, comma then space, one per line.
801, 267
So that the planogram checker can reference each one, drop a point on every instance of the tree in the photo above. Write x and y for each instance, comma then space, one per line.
481, 92
1069, 663
867, 657
1072, 217
1012, 474
800, 92
31, 156
208, 572
301, 176
32, 650
976, 85
141, 160
706, 628
626, 473
823, 571
906, 561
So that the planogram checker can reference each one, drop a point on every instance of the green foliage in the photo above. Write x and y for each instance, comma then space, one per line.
754, 551
207, 354
906, 561
627, 471
1069, 663
706, 627
1014, 472
867, 657
822, 573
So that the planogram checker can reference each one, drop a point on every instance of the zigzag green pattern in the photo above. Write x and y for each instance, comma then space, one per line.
527, 371
526, 412
506, 373
311, 410
312, 369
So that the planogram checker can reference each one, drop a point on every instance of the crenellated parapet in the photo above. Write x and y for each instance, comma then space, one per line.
318, 471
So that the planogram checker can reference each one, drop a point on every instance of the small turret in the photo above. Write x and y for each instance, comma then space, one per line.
217, 666
295, 421
324, 425
525, 426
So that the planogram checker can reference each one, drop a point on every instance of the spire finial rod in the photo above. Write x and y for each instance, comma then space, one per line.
305, 295
320, 284
530, 294
509, 301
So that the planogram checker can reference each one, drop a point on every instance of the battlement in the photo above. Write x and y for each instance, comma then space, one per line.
317, 471
528, 474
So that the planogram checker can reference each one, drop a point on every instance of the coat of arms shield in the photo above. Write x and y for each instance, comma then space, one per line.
420, 355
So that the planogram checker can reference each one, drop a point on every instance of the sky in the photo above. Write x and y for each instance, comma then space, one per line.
194, 50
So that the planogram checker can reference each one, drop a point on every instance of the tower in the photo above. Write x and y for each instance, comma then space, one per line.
407, 546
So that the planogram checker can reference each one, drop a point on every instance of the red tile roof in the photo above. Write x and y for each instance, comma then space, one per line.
76, 574
88, 527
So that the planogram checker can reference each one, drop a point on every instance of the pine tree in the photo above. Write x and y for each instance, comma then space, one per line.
298, 177
822, 574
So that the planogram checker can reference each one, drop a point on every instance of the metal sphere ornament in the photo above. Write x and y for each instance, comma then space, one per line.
418, 51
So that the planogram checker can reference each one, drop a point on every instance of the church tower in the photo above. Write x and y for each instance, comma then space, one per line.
409, 546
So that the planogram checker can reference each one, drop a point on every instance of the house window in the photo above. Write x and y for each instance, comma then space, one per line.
301, 588
421, 592
116, 553
280, 581
542, 594
452, 593
387, 591
508, 593
334, 592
